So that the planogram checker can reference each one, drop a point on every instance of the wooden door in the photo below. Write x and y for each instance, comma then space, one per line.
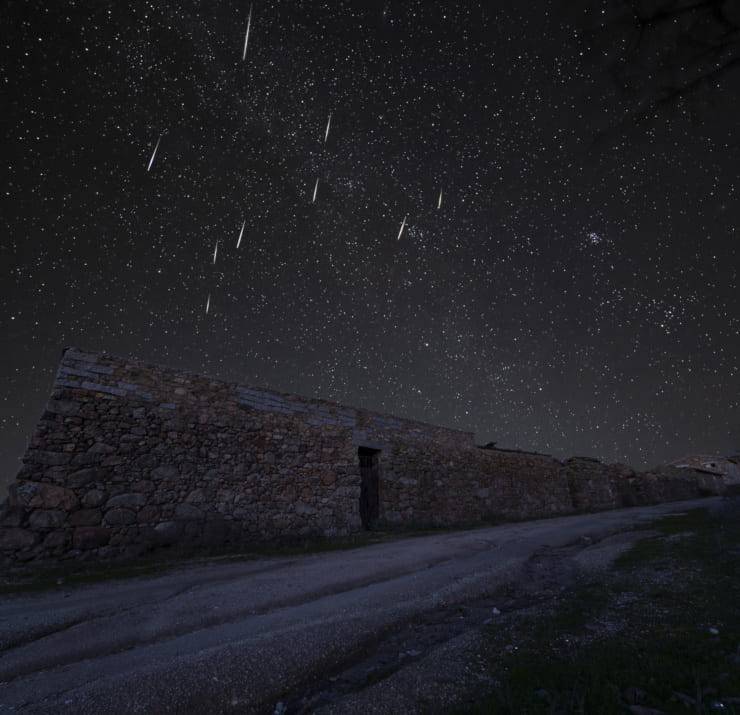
369, 487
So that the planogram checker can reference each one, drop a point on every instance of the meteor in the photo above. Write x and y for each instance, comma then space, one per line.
403, 226
241, 233
315, 191
246, 36
154, 153
328, 126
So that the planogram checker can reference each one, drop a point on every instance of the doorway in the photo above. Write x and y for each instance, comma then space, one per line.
369, 486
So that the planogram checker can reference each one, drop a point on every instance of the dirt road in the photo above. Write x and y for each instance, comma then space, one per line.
279, 635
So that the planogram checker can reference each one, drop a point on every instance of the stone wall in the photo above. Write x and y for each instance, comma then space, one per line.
129, 456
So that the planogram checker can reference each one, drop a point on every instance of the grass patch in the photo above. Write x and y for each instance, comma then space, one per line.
662, 631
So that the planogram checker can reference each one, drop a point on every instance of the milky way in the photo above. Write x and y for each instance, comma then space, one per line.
566, 274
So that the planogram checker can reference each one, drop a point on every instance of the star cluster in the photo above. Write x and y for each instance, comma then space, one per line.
575, 292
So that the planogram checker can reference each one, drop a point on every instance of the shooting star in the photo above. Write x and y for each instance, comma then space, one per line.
246, 36
403, 226
154, 153
315, 191
328, 126
208, 304
241, 233
215, 253
439, 203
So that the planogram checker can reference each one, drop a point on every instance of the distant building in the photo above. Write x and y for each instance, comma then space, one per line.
726, 467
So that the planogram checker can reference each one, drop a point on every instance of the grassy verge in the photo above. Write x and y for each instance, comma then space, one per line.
35, 577
660, 634
39, 577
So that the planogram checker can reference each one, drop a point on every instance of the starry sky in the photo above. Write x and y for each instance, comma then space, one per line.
575, 293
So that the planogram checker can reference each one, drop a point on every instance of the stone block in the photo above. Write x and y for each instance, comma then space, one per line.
39, 495
101, 448
167, 532
85, 459
105, 389
71, 354
86, 517
11, 515
216, 532
197, 496
58, 539
128, 501
188, 512
148, 514
84, 476
15, 539
119, 517
90, 537
93, 498
46, 519
113, 461
51, 459
63, 407
165, 471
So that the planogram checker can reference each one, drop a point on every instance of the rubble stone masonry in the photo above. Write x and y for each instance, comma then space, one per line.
129, 457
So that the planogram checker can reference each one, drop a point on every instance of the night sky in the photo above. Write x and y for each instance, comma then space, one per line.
576, 293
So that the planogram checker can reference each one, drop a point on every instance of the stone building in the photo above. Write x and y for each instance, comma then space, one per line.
727, 467
129, 456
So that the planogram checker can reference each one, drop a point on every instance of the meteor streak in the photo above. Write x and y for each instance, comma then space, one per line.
439, 203
208, 304
215, 253
241, 233
328, 126
154, 153
403, 226
246, 36
315, 191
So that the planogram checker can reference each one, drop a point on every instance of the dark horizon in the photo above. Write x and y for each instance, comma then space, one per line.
575, 294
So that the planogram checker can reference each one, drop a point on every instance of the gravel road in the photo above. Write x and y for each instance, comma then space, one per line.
290, 634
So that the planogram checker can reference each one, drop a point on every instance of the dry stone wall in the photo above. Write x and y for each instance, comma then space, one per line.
128, 457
